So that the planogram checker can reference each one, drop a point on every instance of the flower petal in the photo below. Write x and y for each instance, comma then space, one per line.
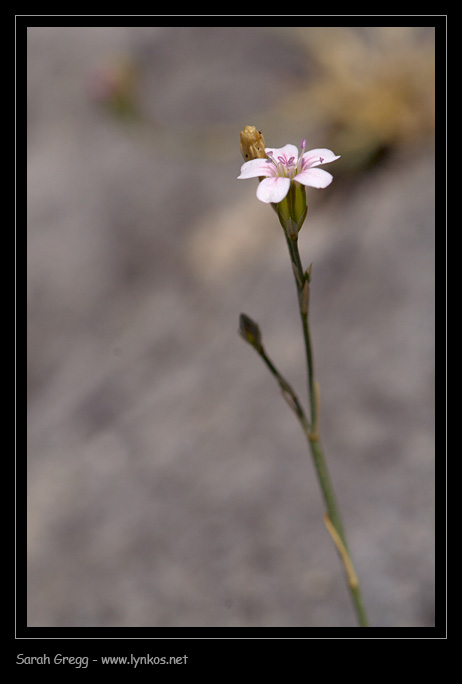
315, 178
273, 189
255, 168
319, 156
287, 151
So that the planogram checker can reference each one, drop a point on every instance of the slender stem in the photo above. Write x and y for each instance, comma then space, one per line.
287, 391
303, 287
333, 518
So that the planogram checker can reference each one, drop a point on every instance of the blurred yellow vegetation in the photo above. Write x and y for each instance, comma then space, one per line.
374, 88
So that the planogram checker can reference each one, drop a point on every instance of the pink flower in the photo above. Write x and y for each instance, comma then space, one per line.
285, 165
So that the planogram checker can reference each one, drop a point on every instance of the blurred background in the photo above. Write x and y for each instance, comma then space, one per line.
169, 485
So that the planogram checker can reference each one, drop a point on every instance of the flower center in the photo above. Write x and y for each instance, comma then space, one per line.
288, 167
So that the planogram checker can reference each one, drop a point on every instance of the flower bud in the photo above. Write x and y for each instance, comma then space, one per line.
250, 331
252, 144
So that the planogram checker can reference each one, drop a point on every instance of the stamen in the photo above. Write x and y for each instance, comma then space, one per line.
271, 159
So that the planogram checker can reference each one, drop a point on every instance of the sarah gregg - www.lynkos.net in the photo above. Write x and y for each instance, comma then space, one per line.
83, 661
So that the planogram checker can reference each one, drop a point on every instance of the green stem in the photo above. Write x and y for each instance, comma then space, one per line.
302, 285
287, 391
333, 513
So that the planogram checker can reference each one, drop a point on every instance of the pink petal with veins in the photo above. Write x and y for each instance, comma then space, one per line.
315, 178
255, 168
273, 189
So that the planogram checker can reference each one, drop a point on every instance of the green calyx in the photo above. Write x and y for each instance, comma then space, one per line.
292, 209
